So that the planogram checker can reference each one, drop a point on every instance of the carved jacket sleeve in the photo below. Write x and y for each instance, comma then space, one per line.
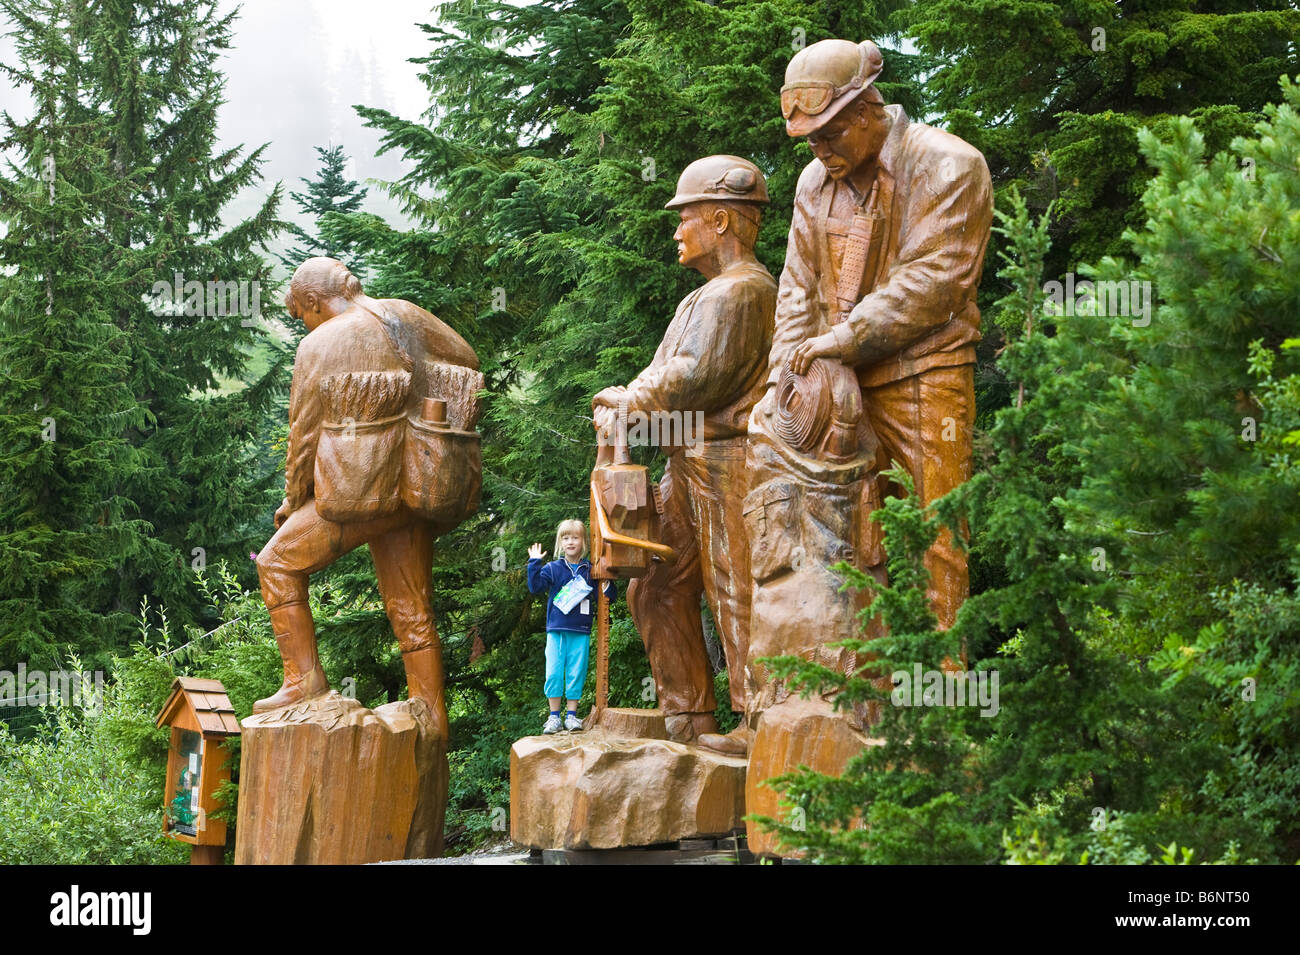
714, 358
305, 414
948, 215
795, 319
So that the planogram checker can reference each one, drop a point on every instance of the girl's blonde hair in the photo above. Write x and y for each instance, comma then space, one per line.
570, 525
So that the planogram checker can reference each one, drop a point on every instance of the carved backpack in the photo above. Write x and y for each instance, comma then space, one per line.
380, 450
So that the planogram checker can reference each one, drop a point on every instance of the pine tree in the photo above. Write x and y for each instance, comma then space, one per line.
194, 320
1188, 479
178, 295
64, 523
1054, 94
330, 192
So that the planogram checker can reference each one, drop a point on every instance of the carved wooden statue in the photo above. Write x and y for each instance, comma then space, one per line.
382, 451
872, 361
710, 367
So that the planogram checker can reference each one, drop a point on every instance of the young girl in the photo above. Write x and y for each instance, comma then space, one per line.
570, 605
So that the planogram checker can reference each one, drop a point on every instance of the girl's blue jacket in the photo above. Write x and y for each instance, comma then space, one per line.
549, 578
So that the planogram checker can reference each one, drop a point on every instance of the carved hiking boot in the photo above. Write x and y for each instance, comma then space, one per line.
735, 743
303, 677
424, 682
687, 727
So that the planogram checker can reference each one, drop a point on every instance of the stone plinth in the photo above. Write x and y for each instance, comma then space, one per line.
791, 734
597, 790
329, 782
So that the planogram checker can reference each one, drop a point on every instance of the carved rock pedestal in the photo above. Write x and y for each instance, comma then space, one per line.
598, 790
791, 734
331, 782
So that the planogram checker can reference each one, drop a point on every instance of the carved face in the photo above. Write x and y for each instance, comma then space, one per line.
697, 233
851, 140
307, 312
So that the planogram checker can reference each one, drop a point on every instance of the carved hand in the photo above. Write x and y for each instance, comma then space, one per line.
609, 398
823, 346
605, 419
282, 513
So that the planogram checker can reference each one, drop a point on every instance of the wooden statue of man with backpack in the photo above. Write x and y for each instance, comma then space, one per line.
382, 451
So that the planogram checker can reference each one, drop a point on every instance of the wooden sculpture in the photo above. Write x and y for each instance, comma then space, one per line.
645, 776
711, 367
382, 451
871, 362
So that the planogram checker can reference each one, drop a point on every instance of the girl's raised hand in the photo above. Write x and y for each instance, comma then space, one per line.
536, 551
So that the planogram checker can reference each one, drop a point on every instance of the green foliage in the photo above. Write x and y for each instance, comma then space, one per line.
1055, 94
89, 788
118, 188
65, 522
1141, 625
900, 802
330, 193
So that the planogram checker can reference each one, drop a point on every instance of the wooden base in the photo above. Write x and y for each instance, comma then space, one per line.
628, 723
792, 734
207, 855
331, 782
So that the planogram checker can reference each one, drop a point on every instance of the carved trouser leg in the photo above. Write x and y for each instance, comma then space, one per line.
704, 524
925, 423
665, 605
717, 485
306, 543
402, 549
403, 565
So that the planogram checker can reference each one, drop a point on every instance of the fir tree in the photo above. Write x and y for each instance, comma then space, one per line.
64, 523
195, 317
178, 295
330, 192
1055, 94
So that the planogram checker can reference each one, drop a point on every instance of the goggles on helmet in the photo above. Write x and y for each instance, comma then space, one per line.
811, 97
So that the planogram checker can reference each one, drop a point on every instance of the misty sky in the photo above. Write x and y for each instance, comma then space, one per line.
292, 77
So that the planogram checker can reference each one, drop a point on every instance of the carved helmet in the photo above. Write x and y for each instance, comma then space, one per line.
718, 178
822, 79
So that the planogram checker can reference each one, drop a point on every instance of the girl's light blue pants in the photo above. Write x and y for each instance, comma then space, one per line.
566, 664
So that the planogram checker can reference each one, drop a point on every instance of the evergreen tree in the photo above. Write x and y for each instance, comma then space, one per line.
1054, 94
196, 305
64, 524
330, 192
1187, 474
166, 303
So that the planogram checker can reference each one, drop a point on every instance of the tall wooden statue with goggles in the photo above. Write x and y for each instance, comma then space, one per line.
871, 363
